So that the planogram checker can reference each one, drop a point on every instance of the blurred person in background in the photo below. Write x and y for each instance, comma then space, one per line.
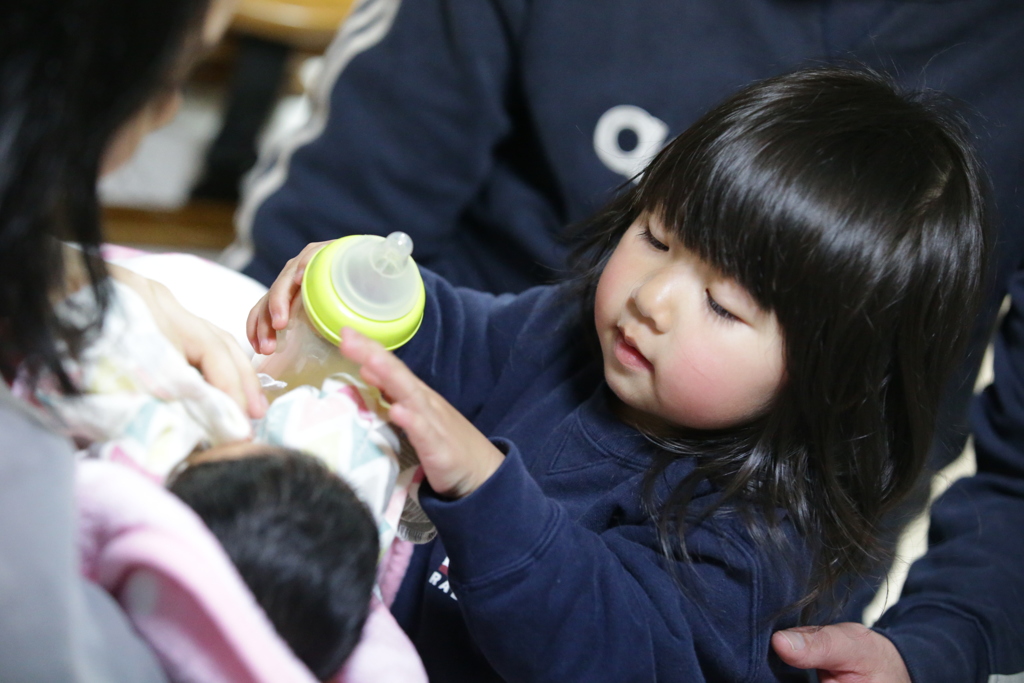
483, 128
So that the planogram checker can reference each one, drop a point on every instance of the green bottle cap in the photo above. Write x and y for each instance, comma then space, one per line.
368, 283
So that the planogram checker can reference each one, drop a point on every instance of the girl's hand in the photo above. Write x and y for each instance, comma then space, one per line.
209, 349
272, 312
455, 456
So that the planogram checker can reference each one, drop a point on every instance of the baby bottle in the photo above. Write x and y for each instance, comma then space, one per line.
365, 282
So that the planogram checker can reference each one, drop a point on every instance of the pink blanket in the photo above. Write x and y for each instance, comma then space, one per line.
176, 584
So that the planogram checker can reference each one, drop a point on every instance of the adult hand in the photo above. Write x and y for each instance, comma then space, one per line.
272, 312
209, 349
842, 653
456, 457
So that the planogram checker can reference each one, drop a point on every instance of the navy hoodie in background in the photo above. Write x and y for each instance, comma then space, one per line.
483, 127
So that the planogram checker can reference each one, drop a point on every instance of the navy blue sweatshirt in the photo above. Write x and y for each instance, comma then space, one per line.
552, 570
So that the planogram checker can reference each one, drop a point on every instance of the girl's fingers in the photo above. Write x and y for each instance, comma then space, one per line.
266, 335
279, 300
456, 457
356, 346
396, 380
380, 367
414, 424
273, 311
287, 285
256, 324
262, 335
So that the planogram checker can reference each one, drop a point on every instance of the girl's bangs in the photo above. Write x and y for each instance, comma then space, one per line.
718, 211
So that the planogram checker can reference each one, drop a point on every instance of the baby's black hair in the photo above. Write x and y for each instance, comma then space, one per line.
856, 213
305, 545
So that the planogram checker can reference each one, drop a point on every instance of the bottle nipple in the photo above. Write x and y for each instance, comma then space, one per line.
391, 256
376, 277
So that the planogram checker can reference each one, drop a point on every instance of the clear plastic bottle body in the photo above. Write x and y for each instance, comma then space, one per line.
366, 282
302, 357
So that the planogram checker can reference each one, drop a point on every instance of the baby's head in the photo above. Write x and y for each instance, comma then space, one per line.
305, 545
796, 274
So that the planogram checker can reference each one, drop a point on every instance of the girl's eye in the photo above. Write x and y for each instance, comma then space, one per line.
653, 241
717, 308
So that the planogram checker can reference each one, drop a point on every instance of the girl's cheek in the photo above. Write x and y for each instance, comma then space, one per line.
710, 391
695, 392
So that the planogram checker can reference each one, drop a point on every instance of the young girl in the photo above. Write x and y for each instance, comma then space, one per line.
776, 305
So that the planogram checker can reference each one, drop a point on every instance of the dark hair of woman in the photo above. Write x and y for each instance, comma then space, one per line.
71, 74
856, 213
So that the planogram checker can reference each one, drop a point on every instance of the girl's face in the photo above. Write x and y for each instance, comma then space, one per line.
682, 344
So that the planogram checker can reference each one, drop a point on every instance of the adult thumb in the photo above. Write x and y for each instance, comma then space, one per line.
846, 651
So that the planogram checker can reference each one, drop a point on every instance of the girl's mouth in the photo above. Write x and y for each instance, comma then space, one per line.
630, 356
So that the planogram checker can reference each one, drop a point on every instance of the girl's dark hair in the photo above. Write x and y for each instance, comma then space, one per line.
855, 212
303, 542
72, 72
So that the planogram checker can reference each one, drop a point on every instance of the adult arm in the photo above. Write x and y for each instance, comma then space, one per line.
205, 346
209, 349
54, 624
405, 121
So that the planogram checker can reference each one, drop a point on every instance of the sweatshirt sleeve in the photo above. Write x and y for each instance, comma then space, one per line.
405, 120
960, 615
469, 340
549, 600
55, 626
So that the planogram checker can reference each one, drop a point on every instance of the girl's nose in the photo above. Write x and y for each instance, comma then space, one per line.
654, 299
